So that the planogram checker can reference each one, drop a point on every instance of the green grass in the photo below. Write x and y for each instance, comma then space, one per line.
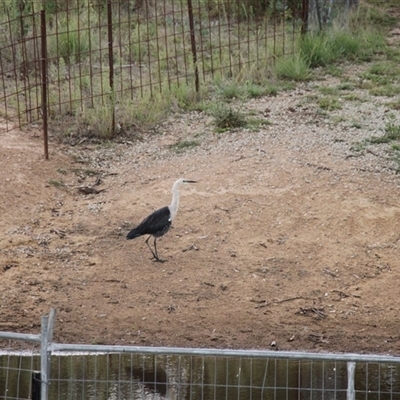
356, 124
226, 117
256, 124
328, 90
353, 97
348, 86
230, 90
329, 103
183, 145
295, 68
56, 183
391, 133
382, 78
81, 100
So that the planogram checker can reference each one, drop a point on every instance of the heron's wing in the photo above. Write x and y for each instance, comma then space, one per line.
156, 222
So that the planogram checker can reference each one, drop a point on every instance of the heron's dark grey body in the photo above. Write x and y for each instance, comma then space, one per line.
158, 223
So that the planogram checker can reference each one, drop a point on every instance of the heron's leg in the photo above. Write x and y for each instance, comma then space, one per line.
152, 252
156, 253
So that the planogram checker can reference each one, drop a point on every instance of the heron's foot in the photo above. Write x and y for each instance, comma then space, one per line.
156, 259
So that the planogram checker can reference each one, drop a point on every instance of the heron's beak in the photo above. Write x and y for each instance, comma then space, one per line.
191, 181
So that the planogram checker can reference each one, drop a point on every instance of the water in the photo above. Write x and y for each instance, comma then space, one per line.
135, 376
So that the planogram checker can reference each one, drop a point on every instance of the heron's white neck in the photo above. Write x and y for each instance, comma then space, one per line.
173, 208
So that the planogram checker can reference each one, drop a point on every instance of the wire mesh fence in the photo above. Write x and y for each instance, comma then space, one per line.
73, 371
19, 369
67, 61
138, 376
206, 376
322, 13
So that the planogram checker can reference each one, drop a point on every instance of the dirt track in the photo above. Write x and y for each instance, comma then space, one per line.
289, 236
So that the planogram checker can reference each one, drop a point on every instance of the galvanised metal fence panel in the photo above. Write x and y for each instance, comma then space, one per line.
18, 362
142, 372
76, 371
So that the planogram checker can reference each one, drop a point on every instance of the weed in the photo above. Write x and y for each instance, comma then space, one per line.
328, 90
256, 123
314, 50
392, 133
182, 145
329, 103
356, 124
186, 96
352, 97
388, 90
295, 68
395, 105
346, 86
226, 117
56, 183
253, 90
334, 70
392, 129
230, 90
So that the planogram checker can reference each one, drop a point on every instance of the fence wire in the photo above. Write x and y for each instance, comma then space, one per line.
322, 13
143, 376
101, 372
18, 363
66, 61
108, 55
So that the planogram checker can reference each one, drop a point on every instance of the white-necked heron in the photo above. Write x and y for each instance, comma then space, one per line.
158, 223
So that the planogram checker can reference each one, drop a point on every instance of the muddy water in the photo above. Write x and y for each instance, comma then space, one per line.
127, 376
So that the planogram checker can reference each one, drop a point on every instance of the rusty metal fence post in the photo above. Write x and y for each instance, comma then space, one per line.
193, 44
304, 17
43, 67
111, 64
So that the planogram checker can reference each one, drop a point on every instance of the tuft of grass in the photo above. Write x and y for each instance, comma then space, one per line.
315, 50
255, 124
392, 129
226, 117
71, 43
254, 90
186, 96
56, 183
392, 133
369, 14
329, 103
230, 90
328, 90
346, 86
395, 105
322, 49
295, 68
356, 124
62, 171
353, 97
388, 90
182, 145
95, 122
334, 70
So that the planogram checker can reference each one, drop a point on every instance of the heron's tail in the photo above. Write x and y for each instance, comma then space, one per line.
134, 233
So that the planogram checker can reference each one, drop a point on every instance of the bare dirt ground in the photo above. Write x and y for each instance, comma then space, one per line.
289, 239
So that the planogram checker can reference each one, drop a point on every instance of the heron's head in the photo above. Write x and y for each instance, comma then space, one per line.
183, 180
